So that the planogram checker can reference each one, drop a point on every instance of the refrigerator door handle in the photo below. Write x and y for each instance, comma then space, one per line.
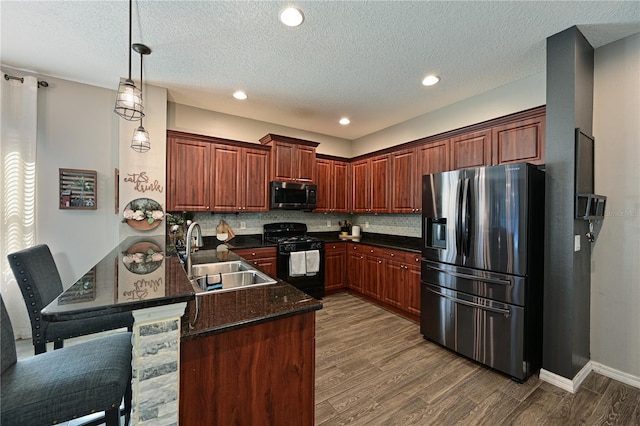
470, 277
465, 218
458, 226
505, 312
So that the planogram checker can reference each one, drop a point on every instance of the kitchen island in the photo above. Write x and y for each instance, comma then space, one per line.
146, 277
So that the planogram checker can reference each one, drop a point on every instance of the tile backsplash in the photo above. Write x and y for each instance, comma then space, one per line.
393, 224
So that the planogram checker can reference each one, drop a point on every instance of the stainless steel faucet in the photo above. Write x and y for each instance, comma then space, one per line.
198, 243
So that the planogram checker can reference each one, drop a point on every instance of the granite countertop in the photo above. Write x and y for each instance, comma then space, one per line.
130, 278
397, 242
141, 272
228, 310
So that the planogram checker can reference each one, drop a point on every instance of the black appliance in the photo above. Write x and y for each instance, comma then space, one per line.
300, 260
293, 196
482, 265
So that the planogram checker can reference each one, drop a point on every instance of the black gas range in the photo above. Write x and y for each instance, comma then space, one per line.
300, 257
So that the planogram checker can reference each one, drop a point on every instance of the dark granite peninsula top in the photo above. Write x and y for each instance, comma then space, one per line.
146, 272
141, 272
228, 310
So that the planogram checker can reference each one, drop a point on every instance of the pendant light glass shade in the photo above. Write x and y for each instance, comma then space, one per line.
140, 141
129, 101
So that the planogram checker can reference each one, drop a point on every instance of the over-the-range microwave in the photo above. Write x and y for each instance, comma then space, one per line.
293, 196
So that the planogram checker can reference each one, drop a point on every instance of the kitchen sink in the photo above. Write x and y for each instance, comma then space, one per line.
219, 268
230, 281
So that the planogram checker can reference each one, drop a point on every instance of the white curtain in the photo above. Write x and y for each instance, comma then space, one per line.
18, 185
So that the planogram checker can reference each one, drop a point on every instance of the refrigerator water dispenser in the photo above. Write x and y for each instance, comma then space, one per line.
436, 232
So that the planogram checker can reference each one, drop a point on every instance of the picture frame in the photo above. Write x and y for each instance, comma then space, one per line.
78, 189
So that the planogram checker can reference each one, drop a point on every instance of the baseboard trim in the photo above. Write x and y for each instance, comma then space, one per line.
572, 385
617, 375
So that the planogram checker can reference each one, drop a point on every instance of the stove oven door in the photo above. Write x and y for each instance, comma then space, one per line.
313, 285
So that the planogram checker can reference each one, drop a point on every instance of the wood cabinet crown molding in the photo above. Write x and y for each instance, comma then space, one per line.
270, 137
213, 139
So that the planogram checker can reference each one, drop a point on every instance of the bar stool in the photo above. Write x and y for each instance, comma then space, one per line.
64, 384
40, 283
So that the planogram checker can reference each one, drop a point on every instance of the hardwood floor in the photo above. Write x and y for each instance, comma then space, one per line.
374, 367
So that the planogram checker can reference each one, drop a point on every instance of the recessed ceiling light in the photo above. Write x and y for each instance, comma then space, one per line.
291, 16
240, 95
344, 121
430, 80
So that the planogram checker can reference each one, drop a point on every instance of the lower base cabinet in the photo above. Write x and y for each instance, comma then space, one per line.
389, 278
335, 267
264, 258
256, 375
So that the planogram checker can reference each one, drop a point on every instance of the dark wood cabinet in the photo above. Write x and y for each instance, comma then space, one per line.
355, 267
403, 181
335, 267
380, 200
264, 258
333, 186
360, 187
393, 291
412, 288
370, 185
471, 150
520, 141
374, 272
387, 277
259, 374
431, 157
206, 175
292, 160
188, 175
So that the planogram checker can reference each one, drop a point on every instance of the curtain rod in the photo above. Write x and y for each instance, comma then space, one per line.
41, 83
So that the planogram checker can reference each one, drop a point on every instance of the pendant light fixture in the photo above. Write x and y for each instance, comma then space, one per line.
129, 98
140, 141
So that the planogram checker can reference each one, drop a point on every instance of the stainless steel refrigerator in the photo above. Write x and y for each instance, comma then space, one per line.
482, 265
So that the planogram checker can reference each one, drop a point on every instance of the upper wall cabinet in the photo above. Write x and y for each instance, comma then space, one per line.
333, 186
431, 157
520, 141
292, 160
370, 182
240, 179
471, 150
205, 175
403, 180
188, 174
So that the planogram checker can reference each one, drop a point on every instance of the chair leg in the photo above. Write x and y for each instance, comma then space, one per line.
39, 348
59, 344
112, 417
128, 395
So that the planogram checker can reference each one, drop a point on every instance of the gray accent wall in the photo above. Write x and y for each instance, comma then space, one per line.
567, 272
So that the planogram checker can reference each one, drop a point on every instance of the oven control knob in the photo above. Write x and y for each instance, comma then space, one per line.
316, 246
289, 247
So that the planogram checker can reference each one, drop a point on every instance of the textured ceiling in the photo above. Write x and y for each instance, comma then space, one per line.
361, 59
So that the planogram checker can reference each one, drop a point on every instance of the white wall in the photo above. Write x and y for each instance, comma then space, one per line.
210, 123
78, 130
520, 95
615, 266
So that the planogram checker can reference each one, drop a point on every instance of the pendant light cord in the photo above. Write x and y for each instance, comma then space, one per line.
130, 25
141, 89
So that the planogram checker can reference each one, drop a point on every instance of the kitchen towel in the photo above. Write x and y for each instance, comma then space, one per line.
297, 264
312, 260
